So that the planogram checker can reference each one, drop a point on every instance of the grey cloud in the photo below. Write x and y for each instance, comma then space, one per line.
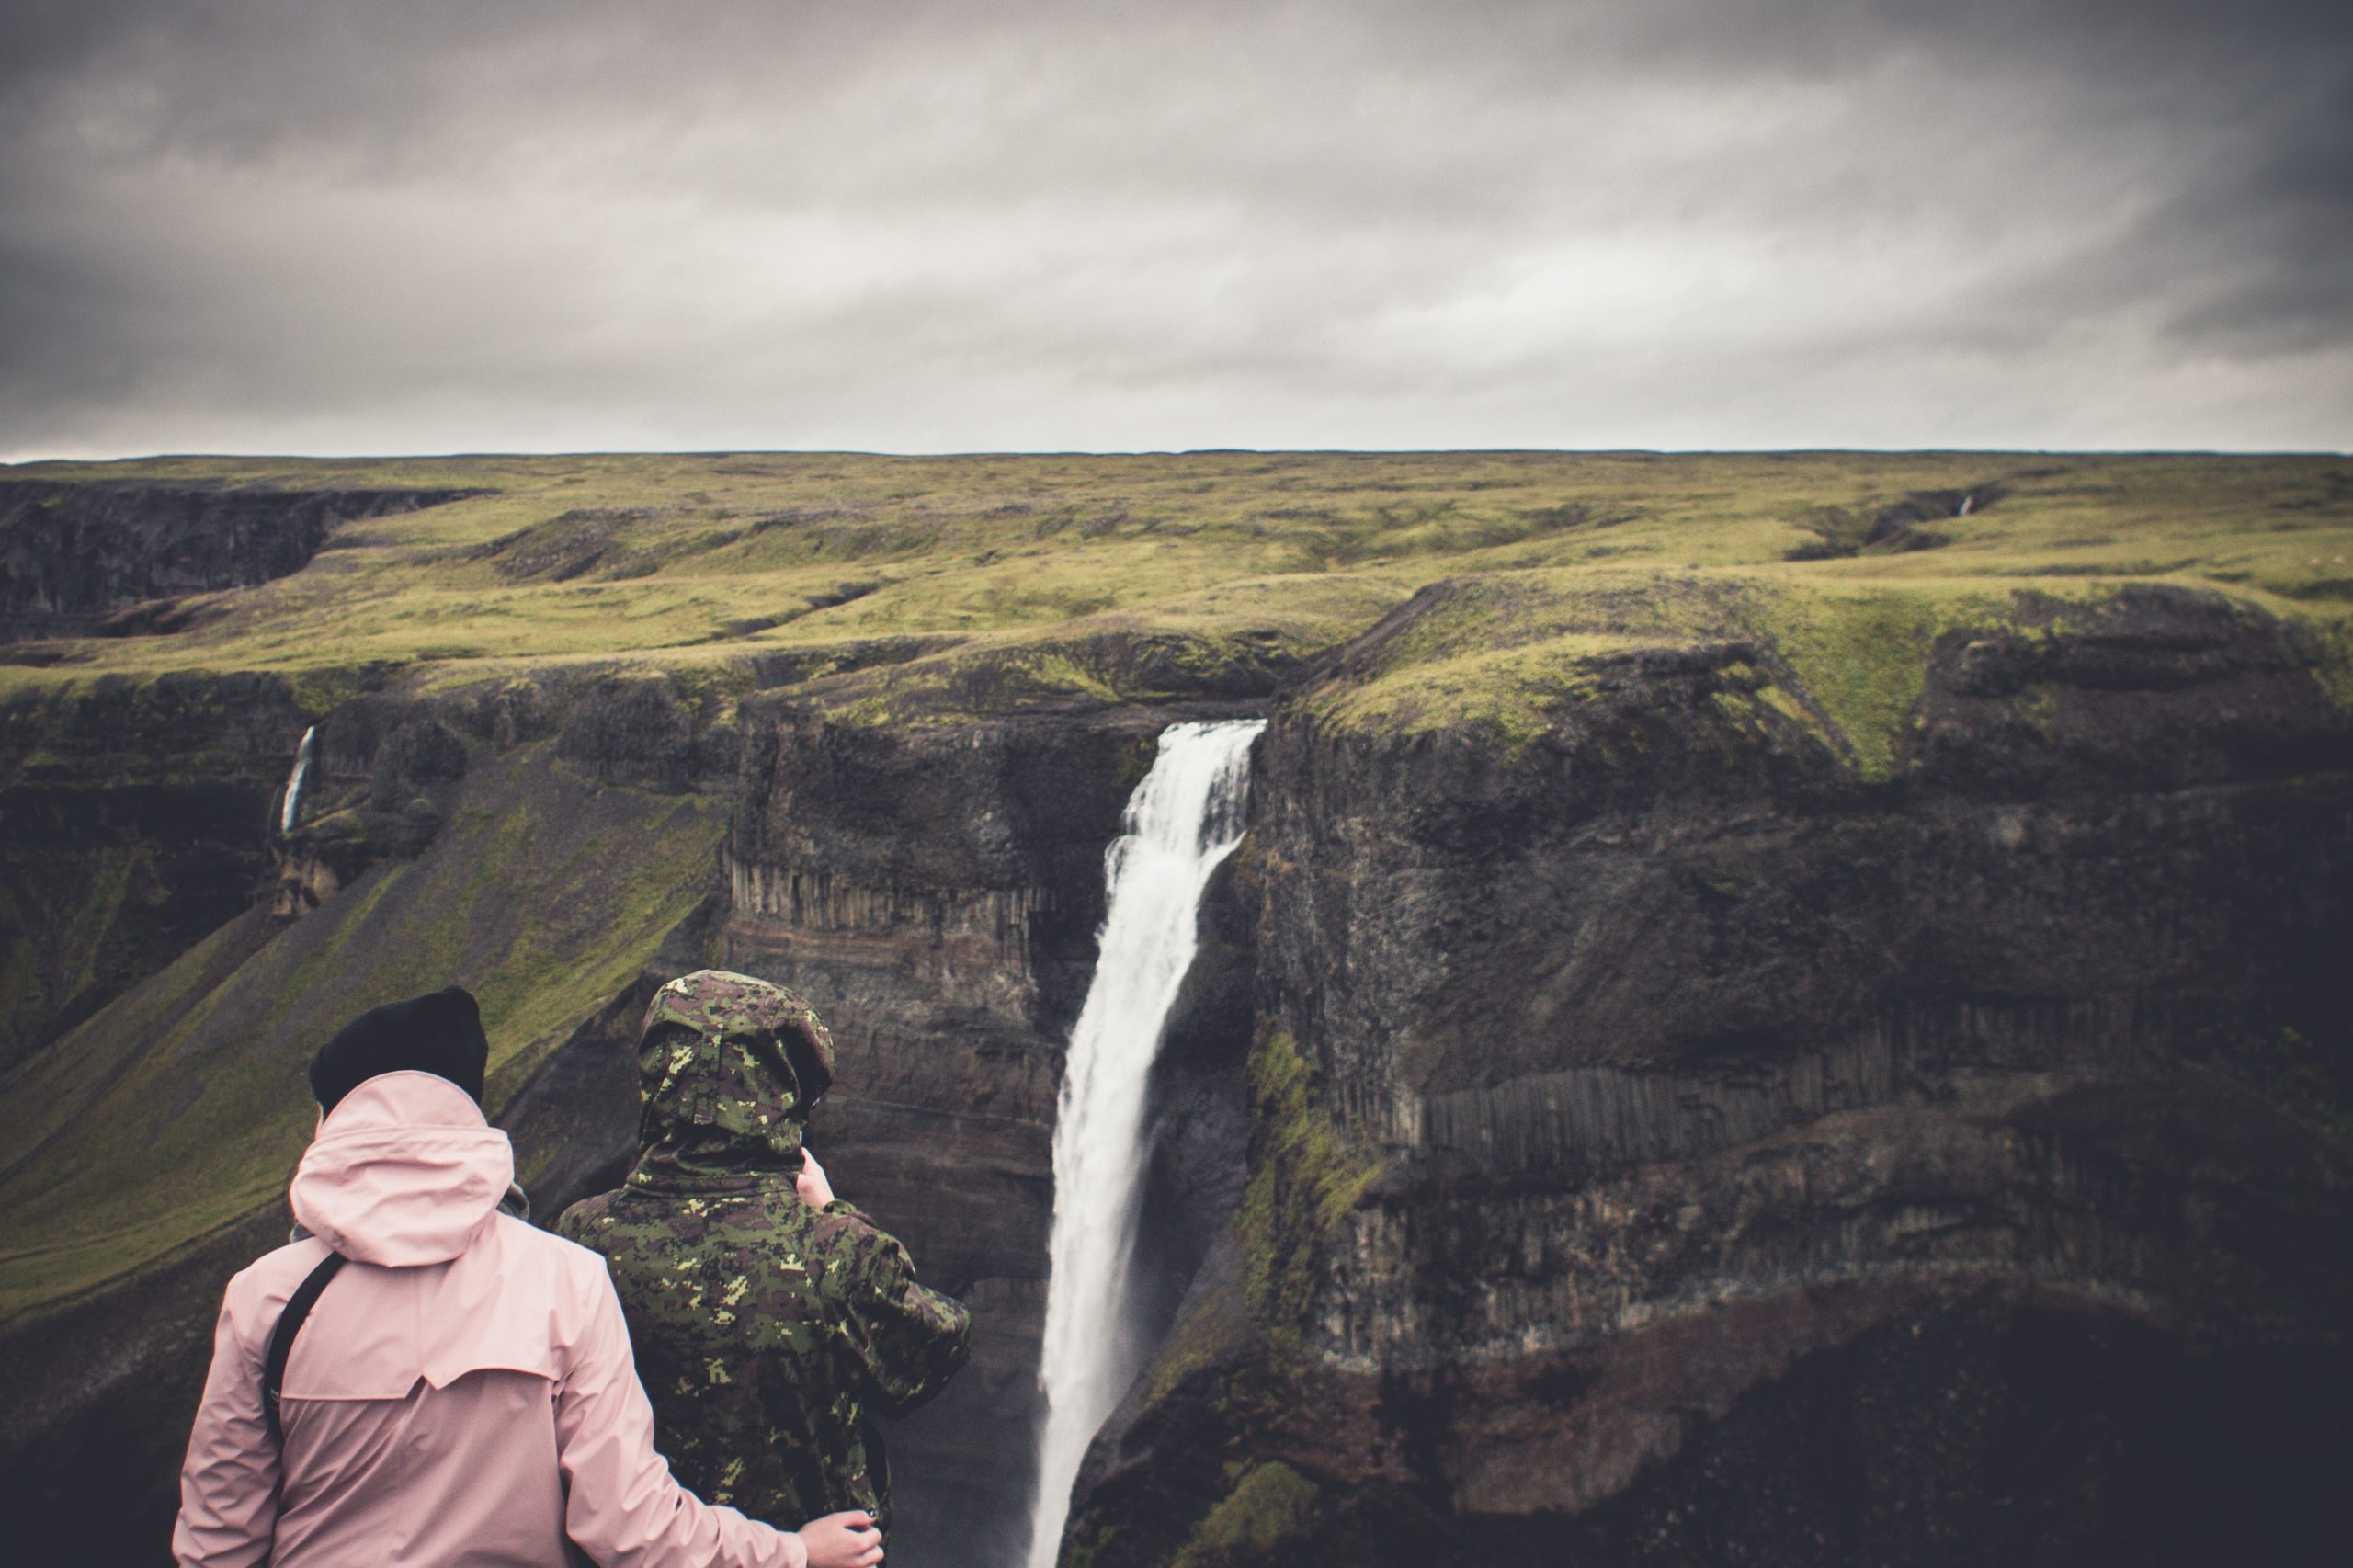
900, 223
2277, 239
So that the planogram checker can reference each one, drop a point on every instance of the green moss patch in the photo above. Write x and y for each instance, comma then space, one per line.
1503, 652
1270, 1502
1305, 1177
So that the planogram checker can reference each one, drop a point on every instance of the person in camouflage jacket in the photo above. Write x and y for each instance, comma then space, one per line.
767, 1316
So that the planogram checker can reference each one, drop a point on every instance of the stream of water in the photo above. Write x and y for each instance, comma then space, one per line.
1183, 819
291, 812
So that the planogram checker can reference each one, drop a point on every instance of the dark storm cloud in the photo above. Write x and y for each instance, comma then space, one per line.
2276, 238
891, 223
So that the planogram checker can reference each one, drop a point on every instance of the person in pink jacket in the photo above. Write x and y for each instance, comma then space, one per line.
462, 1391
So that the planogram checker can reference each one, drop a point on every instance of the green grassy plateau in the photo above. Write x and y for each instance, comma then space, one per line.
1011, 581
691, 564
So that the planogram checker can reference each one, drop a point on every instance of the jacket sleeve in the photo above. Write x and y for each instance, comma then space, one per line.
622, 1507
909, 1338
229, 1482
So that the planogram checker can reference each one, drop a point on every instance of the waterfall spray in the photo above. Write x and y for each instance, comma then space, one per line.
1183, 820
292, 812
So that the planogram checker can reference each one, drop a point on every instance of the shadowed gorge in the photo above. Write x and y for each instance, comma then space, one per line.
1778, 1008
139, 560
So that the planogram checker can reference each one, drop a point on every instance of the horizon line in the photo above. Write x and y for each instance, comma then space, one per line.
483, 455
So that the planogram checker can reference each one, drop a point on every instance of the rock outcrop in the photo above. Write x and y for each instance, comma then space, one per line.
135, 820
1668, 1148
74, 557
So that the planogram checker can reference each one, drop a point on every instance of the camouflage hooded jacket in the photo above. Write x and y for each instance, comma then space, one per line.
764, 1330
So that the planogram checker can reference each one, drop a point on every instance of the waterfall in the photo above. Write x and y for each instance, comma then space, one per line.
292, 812
1183, 819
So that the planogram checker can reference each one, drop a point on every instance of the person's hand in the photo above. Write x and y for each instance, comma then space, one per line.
811, 1185
842, 1541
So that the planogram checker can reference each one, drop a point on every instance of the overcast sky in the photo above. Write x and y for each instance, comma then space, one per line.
358, 226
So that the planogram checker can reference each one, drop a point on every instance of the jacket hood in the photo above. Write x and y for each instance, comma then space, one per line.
730, 1067
402, 1172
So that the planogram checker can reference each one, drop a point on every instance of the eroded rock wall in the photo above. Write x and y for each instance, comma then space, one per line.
133, 821
937, 891
1674, 1114
75, 556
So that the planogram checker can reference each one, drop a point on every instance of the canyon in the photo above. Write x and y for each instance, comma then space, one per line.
1732, 1033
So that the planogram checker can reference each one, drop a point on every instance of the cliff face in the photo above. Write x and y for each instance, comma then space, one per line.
937, 887
135, 822
73, 557
1688, 1152
941, 887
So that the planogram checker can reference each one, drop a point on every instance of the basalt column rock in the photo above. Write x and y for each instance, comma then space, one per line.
1670, 1148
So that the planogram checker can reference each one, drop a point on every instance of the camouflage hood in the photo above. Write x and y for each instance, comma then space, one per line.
730, 1068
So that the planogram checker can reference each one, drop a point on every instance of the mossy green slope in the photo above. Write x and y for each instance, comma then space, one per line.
56, 909
181, 1107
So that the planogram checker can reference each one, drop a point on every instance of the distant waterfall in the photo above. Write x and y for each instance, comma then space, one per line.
292, 812
1183, 819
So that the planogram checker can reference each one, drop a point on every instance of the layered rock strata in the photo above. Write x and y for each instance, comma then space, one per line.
1668, 1147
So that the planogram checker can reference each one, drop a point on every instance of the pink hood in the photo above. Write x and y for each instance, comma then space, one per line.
403, 1172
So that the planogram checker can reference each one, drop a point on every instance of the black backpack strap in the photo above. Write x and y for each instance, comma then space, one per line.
281, 1339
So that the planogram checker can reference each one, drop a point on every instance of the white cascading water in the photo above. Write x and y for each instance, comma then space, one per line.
1183, 819
292, 812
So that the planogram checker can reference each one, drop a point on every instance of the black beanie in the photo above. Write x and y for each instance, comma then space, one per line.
439, 1032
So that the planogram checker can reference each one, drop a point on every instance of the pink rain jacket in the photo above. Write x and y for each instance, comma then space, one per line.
462, 1394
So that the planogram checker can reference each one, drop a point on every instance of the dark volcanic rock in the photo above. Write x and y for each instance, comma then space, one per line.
72, 554
383, 778
1980, 1428
637, 732
414, 760
935, 892
1198, 1113
95, 1405
1774, 1167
